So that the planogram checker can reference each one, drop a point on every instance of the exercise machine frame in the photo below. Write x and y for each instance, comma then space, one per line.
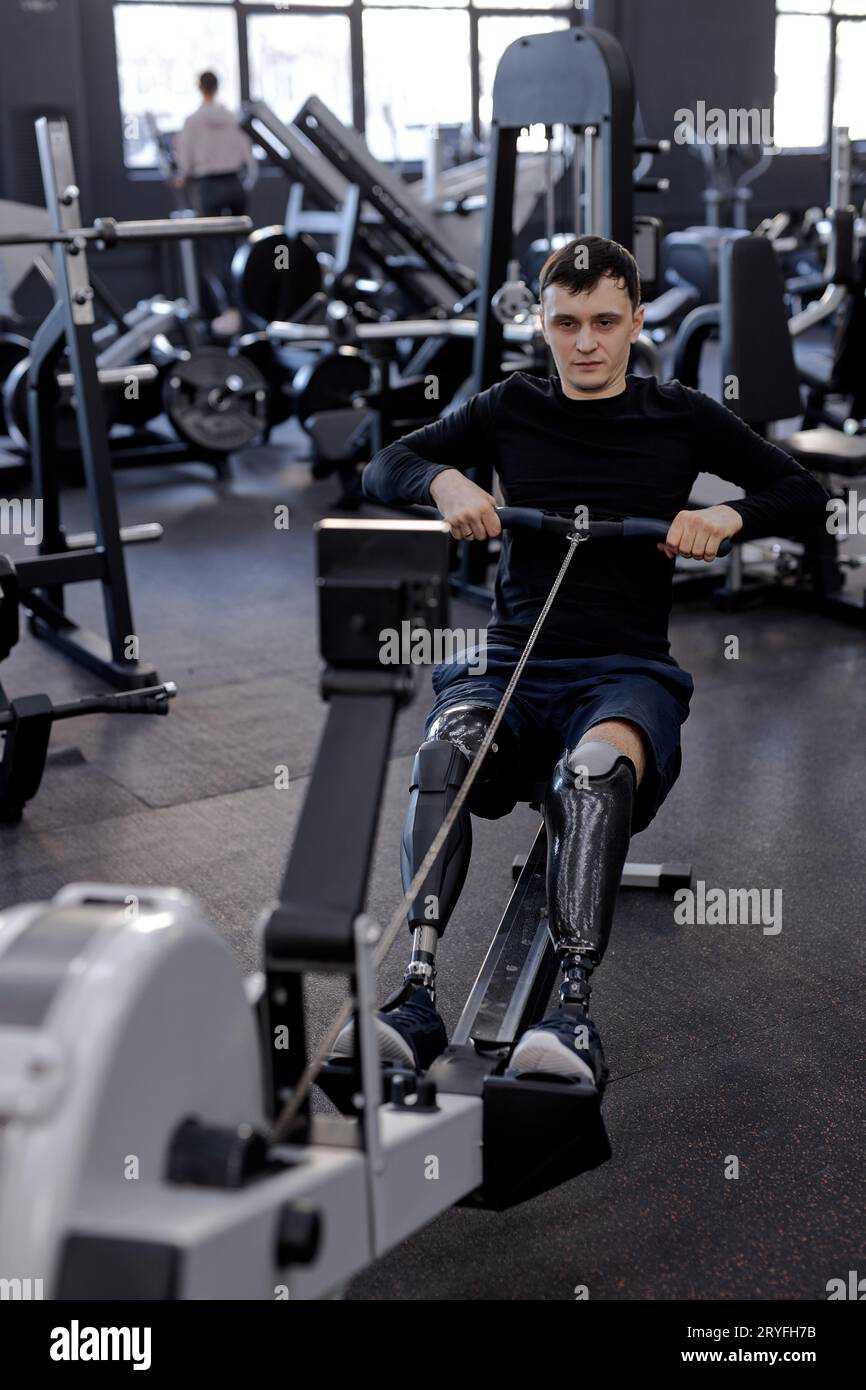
71, 324
218, 1210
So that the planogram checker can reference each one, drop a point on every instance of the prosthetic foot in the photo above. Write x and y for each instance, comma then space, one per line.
587, 814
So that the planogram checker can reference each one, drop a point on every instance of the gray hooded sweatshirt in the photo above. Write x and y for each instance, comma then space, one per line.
211, 142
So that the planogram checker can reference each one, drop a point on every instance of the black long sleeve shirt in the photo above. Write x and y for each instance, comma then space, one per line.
635, 454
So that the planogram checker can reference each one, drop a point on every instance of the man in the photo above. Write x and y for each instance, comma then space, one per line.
600, 692
211, 151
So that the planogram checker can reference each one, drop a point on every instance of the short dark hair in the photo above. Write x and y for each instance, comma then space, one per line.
604, 258
208, 83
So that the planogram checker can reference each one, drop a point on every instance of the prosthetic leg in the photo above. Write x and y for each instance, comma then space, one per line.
409, 1031
587, 813
441, 766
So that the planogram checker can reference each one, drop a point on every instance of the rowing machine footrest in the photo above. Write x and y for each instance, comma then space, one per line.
338, 1080
537, 1133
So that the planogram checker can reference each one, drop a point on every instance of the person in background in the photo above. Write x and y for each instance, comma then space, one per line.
212, 154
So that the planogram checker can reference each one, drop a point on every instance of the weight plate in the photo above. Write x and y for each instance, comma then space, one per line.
513, 302
216, 401
330, 383
258, 349
275, 274
13, 349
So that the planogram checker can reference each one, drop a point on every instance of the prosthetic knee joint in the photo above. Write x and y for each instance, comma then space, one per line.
440, 768
587, 812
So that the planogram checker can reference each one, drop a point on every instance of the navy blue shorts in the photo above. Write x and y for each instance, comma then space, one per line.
557, 701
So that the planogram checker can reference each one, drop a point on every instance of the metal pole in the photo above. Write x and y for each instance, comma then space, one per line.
549, 208
75, 300
188, 269
433, 164
590, 157
840, 167
367, 933
576, 174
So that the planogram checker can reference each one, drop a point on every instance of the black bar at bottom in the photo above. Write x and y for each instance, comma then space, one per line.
94, 653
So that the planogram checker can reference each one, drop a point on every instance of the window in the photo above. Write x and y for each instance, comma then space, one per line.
418, 58
849, 108
422, 4
528, 5
802, 68
293, 56
820, 52
162, 46
290, 4
416, 72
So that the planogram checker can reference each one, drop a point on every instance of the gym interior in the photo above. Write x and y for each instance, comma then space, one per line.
245, 249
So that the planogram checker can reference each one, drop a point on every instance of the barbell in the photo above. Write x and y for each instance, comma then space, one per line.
214, 400
107, 232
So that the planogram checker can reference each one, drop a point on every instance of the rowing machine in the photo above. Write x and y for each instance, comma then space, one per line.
139, 1075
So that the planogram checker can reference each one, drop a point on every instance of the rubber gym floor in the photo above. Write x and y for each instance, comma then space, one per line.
722, 1040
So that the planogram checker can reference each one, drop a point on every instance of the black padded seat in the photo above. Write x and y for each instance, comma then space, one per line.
827, 451
757, 352
756, 346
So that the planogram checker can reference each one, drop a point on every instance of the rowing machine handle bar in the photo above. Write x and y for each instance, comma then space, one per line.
629, 527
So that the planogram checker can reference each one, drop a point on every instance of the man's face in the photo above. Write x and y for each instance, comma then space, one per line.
589, 336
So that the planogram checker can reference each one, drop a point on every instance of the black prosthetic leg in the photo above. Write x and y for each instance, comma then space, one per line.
587, 813
440, 768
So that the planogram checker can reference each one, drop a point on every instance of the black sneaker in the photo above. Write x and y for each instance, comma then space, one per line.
412, 1034
563, 1045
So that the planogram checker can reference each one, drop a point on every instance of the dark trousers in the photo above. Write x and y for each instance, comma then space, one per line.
218, 195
